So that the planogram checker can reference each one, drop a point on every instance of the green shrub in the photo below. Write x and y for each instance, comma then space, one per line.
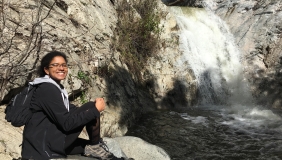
83, 98
137, 37
83, 76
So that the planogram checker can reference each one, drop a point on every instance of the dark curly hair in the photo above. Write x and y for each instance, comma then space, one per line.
45, 62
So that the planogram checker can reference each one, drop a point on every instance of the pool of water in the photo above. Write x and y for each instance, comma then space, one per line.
206, 133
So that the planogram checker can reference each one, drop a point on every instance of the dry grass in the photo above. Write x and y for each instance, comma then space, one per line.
137, 33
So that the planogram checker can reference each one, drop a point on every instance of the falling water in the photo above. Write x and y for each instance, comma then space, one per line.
209, 48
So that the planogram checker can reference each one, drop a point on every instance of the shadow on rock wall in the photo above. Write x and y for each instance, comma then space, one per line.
134, 98
191, 3
176, 97
268, 87
17, 84
124, 92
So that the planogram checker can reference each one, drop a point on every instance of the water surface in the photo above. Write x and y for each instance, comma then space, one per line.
202, 133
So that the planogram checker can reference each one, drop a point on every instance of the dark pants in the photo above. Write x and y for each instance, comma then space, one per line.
75, 145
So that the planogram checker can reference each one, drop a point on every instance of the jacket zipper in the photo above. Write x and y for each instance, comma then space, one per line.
14, 101
44, 140
26, 94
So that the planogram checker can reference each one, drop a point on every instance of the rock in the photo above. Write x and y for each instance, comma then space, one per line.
139, 149
114, 147
10, 138
130, 147
76, 157
82, 29
5, 156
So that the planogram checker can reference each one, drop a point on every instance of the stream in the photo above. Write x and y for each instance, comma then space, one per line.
204, 133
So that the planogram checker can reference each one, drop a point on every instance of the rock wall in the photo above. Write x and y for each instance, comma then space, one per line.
81, 29
171, 86
84, 31
30, 29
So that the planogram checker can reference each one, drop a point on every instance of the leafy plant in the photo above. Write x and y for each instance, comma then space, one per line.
83, 98
83, 76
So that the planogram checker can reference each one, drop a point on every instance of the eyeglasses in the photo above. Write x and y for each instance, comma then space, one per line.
57, 65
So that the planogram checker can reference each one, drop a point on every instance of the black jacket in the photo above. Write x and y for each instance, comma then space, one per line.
44, 135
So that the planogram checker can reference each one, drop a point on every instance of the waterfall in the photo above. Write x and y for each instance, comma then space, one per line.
208, 47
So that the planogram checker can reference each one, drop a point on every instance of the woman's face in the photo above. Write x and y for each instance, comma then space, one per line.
57, 69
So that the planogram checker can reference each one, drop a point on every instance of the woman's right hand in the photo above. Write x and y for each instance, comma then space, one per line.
100, 104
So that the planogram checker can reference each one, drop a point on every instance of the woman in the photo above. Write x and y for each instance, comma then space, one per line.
53, 130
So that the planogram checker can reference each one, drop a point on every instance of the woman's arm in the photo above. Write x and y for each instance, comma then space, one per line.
51, 101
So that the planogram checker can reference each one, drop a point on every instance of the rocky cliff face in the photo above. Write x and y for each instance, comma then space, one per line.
84, 31
172, 86
81, 29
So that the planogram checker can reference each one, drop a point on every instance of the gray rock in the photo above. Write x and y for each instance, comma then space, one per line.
129, 147
139, 149
114, 147
76, 157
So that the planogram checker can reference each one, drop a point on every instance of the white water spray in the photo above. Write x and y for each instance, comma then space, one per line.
209, 48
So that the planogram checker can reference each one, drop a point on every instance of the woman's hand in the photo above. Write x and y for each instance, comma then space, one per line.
100, 104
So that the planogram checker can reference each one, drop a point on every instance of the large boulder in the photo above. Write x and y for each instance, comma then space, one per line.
130, 147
